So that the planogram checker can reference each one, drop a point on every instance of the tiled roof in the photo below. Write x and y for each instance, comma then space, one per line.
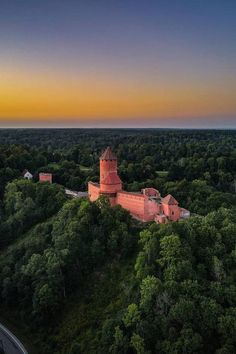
169, 199
108, 154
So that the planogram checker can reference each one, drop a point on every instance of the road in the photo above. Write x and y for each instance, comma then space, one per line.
10, 343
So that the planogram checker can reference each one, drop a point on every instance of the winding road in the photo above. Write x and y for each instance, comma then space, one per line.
10, 343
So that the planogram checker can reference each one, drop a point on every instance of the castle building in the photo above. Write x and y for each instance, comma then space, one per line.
45, 177
147, 205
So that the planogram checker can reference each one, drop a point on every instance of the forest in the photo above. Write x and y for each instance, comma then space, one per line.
81, 277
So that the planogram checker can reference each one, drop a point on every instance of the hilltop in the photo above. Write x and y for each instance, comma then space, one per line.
81, 277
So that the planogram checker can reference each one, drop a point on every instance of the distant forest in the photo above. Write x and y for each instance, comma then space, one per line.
81, 277
197, 166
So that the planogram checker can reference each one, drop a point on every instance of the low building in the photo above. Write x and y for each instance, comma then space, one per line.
147, 205
45, 177
26, 174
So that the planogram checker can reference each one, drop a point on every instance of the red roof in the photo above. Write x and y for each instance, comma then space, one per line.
108, 154
169, 199
111, 178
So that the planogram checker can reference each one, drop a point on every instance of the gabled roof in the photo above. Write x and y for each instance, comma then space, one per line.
112, 178
170, 200
108, 154
27, 172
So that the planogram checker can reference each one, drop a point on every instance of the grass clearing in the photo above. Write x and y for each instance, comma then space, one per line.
85, 168
162, 173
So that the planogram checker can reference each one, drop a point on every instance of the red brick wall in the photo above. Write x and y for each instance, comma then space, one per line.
45, 177
110, 188
107, 166
151, 192
152, 208
135, 203
172, 211
93, 191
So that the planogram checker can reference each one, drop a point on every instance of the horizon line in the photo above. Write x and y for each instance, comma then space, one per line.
118, 128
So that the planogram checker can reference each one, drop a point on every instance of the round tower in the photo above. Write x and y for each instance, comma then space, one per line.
110, 182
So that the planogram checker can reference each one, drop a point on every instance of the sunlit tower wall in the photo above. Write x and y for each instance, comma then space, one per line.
110, 182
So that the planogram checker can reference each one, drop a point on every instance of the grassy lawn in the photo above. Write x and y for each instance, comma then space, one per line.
55, 166
84, 168
162, 173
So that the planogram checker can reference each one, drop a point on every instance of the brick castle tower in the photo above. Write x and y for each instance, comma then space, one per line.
147, 205
110, 182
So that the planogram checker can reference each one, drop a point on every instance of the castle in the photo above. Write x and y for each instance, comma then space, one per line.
147, 205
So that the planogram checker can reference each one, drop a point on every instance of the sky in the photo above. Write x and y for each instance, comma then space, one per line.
118, 63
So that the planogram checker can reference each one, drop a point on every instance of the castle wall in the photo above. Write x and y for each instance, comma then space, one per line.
45, 177
160, 219
172, 211
93, 191
133, 202
152, 208
112, 200
151, 192
145, 206
110, 188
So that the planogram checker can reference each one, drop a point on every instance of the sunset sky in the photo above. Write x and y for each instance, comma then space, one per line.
118, 63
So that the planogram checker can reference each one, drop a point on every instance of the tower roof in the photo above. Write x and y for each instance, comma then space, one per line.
108, 155
170, 200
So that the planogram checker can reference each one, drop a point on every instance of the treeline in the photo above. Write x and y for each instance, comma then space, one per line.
145, 156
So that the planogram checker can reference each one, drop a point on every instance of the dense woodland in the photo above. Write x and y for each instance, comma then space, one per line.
81, 277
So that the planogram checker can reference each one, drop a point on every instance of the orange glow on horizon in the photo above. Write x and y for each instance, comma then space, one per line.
117, 63
60, 97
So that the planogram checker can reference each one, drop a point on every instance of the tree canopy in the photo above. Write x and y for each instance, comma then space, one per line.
82, 277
